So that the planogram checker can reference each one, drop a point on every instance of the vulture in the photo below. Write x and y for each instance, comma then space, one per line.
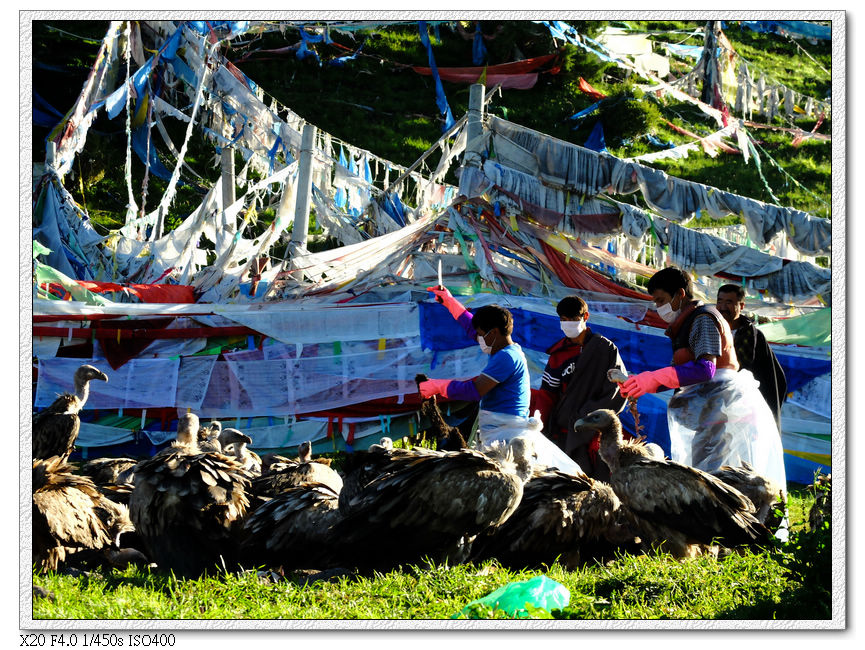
766, 495
448, 438
187, 504
110, 471
678, 506
821, 511
384, 444
401, 506
294, 529
233, 443
209, 437
290, 473
572, 519
71, 516
113, 477
55, 428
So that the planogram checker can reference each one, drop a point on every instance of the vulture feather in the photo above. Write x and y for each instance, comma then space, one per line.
766, 495
400, 506
667, 496
290, 473
187, 504
209, 437
572, 519
110, 471
294, 529
56, 427
69, 514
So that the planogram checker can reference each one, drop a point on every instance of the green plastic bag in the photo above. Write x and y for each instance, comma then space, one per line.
518, 598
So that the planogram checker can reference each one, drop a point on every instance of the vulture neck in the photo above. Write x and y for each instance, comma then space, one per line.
188, 439
611, 441
82, 390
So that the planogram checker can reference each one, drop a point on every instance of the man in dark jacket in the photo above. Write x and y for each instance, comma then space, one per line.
575, 383
752, 349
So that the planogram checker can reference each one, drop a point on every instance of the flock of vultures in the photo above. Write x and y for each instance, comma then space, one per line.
207, 503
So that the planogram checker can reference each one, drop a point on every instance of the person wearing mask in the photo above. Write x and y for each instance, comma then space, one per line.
503, 387
752, 349
717, 416
575, 383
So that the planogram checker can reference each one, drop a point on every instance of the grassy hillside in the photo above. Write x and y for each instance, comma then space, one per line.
378, 103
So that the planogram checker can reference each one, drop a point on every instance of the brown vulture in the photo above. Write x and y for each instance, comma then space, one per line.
290, 473
384, 444
56, 427
110, 471
71, 516
402, 506
233, 443
673, 503
294, 529
572, 519
187, 504
766, 495
114, 477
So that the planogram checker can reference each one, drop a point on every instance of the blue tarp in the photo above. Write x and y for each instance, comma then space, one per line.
640, 350
792, 27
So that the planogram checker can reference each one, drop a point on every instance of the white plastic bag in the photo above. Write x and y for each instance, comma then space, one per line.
726, 421
500, 427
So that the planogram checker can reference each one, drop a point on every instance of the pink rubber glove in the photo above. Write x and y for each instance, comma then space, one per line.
649, 382
432, 387
446, 298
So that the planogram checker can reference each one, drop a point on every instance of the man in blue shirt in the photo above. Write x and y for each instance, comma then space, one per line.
503, 387
504, 384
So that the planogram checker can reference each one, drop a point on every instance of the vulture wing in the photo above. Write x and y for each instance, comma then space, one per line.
425, 503
766, 495
293, 529
65, 513
55, 428
689, 500
185, 506
109, 471
560, 516
292, 474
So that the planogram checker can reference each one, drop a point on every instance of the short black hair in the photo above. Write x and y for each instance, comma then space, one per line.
571, 307
671, 279
734, 288
491, 316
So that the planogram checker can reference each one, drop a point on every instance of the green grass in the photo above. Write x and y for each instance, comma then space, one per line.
784, 583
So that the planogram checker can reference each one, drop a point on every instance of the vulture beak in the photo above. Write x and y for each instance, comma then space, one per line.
102, 376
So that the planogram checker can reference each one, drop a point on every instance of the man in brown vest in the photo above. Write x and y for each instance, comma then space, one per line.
717, 416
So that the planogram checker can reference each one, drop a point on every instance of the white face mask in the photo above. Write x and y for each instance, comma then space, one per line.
486, 349
573, 328
667, 312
